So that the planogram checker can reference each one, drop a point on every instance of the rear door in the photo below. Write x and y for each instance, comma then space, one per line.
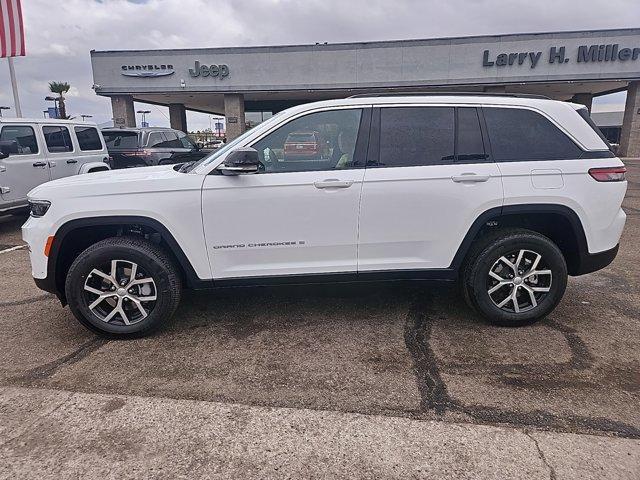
60, 150
124, 148
428, 178
26, 166
89, 146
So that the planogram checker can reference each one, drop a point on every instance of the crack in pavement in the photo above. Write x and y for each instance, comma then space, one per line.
552, 471
39, 298
47, 370
436, 398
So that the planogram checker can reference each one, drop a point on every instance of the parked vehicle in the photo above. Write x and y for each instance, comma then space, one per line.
36, 151
304, 146
507, 194
140, 147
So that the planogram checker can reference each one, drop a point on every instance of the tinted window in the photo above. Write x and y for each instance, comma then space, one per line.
156, 139
518, 134
185, 141
470, 145
120, 139
172, 140
18, 140
318, 141
411, 136
57, 139
88, 138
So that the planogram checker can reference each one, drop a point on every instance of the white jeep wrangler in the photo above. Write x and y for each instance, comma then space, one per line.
33, 152
509, 194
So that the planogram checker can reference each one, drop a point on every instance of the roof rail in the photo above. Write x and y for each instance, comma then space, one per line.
450, 94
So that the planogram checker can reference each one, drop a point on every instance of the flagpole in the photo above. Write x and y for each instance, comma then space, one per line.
14, 86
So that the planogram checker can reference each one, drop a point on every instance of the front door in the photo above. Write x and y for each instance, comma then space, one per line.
428, 180
299, 214
26, 166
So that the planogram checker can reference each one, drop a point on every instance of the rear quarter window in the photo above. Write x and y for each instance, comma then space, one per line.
518, 134
88, 138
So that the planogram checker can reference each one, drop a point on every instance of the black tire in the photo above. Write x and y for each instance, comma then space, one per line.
150, 259
485, 257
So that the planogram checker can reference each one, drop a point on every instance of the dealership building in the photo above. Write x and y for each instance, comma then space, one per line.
576, 66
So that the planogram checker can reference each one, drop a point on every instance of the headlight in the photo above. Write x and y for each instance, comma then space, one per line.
38, 208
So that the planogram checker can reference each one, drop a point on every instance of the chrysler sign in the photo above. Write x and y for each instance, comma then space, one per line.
151, 70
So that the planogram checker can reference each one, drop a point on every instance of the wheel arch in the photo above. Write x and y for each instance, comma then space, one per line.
76, 235
558, 222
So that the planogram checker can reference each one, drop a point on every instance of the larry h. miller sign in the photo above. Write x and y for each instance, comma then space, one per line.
558, 54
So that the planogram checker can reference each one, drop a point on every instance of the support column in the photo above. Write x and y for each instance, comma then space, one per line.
123, 113
495, 89
234, 115
630, 135
178, 117
585, 99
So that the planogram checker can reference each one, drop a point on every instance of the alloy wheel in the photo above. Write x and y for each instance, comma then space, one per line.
120, 292
519, 281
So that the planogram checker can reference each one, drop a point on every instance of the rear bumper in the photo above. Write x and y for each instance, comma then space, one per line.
592, 262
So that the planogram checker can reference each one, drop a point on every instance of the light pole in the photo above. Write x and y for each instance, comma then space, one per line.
86, 116
144, 116
3, 108
55, 104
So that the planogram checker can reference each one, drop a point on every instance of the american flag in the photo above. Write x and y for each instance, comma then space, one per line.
11, 29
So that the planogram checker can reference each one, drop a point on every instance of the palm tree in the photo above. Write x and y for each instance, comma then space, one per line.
60, 88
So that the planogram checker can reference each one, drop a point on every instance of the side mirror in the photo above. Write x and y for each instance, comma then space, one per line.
241, 161
3, 155
199, 145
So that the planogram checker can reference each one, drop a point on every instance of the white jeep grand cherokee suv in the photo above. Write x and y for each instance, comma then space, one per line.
508, 194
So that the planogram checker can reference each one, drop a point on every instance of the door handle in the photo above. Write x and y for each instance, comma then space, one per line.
333, 183
470, 178
39, 164
72, 161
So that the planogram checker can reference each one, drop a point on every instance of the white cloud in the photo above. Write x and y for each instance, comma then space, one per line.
60, 37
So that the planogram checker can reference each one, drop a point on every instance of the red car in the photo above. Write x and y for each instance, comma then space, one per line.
304, 146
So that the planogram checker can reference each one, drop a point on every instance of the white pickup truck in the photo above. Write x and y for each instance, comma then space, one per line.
34, 151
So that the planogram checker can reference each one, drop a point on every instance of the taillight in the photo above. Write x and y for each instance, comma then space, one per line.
608, 174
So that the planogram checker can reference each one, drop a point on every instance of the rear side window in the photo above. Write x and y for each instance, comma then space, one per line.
156, 139
172, 140
18, 140
120, 139
518, 134
57, 139
88, 138
414, 136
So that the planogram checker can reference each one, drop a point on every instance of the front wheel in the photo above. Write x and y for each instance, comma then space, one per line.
516, 278
122, 287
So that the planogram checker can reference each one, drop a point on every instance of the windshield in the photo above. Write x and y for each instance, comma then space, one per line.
229, 146
120, 139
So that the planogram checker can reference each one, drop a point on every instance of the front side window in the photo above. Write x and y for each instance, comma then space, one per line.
88, 138
172, 140
57, 139
318, 141
18, 140
518, 134
416, 136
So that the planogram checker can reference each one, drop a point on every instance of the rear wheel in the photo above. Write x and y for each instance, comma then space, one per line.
516, 277
123, 286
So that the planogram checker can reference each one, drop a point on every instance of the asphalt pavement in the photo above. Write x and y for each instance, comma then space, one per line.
393, 380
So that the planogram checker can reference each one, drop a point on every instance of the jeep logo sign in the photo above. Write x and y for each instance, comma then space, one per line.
198, 70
